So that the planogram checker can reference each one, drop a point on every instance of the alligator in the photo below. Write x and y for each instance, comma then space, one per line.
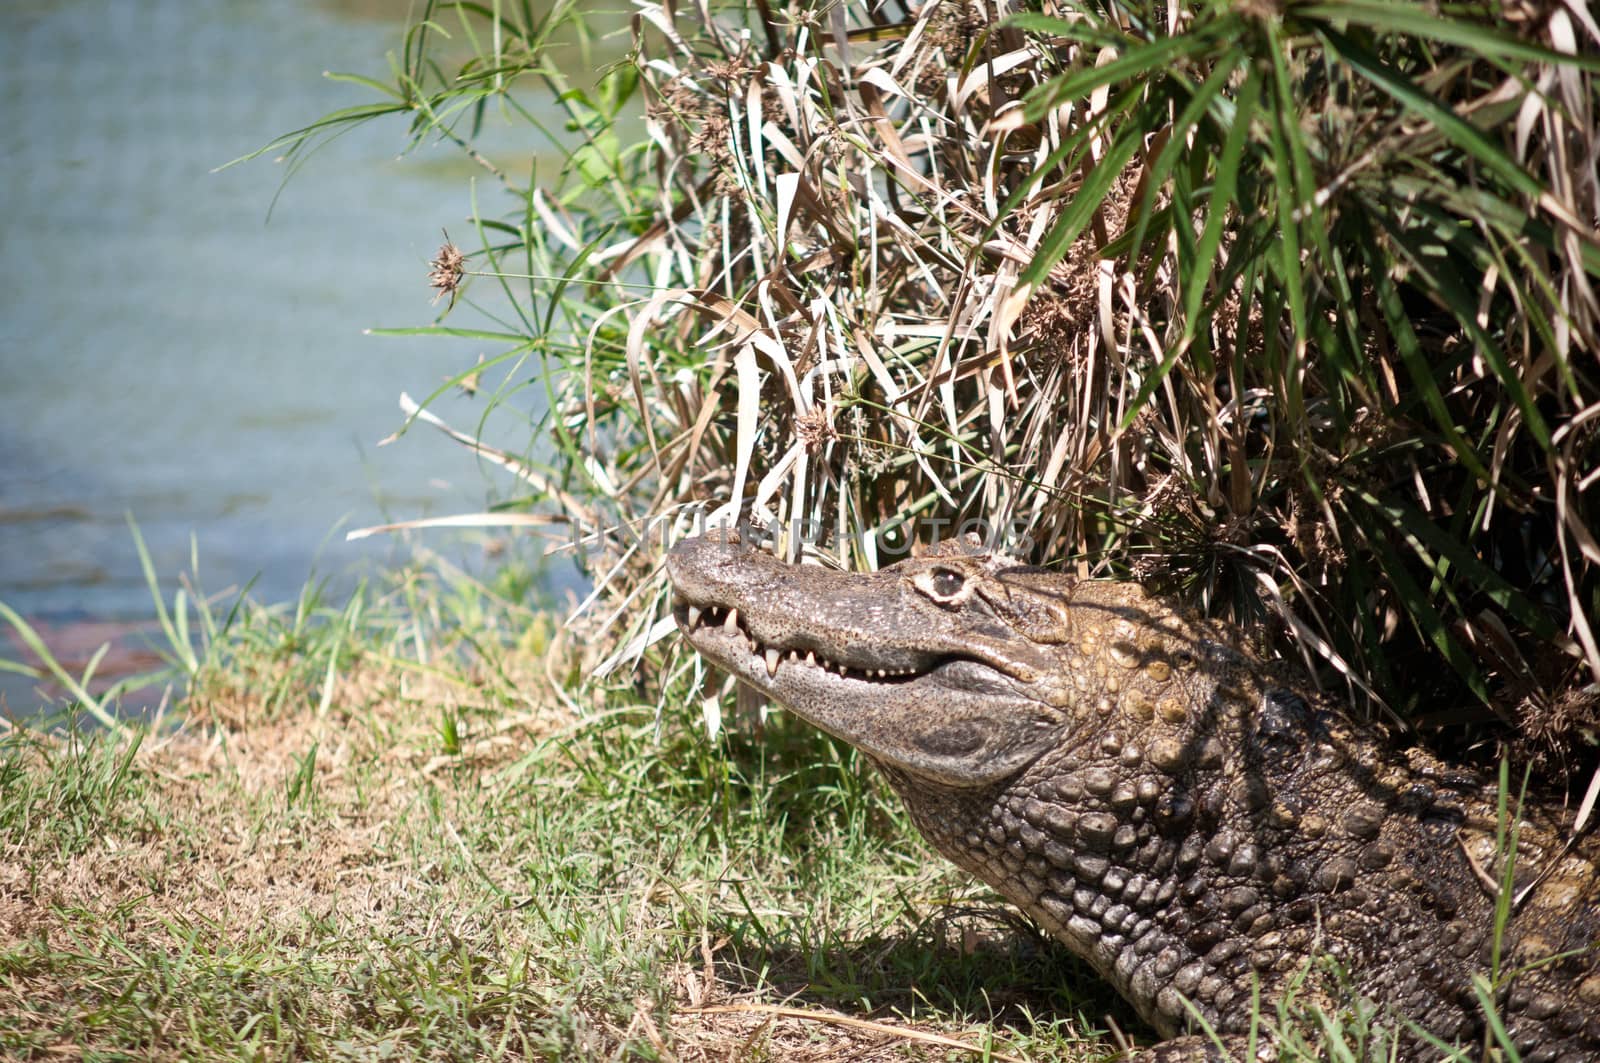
1185, 816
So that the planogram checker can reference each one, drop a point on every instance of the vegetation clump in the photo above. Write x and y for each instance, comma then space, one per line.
1289, 307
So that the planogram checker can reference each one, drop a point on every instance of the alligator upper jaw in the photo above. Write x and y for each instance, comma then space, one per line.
861, 625
721, 634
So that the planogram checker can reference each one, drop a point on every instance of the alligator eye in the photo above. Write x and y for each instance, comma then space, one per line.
944, 585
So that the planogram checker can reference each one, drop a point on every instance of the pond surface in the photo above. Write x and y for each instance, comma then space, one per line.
169, 351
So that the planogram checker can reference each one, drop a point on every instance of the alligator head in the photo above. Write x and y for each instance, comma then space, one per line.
940, 666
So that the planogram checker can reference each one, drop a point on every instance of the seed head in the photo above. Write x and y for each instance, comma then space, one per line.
446, 271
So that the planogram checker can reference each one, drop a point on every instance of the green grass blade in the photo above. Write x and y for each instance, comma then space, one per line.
1208, 97
18, 668
72, 684
453, 333
1135, 63
1402, 18
330, 123
1224, 190
181, 649
1491, 1016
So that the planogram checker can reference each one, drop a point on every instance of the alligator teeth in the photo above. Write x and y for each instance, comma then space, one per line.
773, 657
731, 624
811, 658
694, 616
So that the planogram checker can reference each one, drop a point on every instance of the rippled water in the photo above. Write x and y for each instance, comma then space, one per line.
169, 351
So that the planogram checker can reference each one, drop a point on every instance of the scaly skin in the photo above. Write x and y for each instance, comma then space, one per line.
1174, 810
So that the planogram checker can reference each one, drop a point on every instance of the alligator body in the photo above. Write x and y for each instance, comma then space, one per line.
1180, 814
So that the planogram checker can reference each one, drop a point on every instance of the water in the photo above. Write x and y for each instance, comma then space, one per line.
169, 352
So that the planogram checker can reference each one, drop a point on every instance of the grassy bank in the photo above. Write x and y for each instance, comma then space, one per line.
451, 853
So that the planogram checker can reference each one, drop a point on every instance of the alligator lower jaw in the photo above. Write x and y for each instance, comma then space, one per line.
720, 633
